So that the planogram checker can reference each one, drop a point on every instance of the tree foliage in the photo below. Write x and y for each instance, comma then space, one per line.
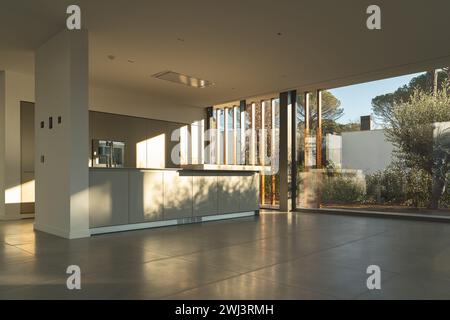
411, 128
331, 112
383, 105
331, 108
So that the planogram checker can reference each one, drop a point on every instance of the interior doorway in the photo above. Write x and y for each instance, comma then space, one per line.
27, 157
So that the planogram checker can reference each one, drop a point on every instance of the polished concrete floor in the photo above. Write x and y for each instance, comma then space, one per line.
273, 256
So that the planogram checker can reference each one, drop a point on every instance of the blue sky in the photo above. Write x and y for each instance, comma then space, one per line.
356, 99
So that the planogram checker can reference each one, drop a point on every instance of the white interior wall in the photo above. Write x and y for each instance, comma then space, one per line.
135, 103
2, 144
16, 87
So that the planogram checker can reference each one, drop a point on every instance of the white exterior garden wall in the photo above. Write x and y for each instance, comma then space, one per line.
366, 150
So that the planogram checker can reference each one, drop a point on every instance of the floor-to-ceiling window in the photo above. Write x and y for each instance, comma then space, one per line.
211, 135
248, 132
275, 164
232, 155
221, 136
309, 140
269, 150
385, 146
248, 135
238, 135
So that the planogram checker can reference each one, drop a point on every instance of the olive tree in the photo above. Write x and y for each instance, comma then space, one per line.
412, 130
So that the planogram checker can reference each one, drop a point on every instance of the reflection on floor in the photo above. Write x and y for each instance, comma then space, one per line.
273, 256
444, 212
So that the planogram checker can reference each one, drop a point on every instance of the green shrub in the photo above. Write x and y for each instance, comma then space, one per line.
341, 190
418, 188
386, 186
399, 185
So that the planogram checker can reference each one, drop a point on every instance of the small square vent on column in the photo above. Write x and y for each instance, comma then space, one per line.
182, 79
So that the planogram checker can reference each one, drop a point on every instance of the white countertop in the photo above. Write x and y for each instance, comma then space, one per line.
197, 167
224, 167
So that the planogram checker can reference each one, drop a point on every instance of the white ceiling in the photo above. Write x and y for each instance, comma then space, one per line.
233, 43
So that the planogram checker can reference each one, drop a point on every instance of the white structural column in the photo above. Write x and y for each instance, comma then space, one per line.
61, 159
226, 143
201, 141
253, 136
218, 136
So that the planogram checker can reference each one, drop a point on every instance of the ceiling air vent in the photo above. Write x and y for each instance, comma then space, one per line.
182, 79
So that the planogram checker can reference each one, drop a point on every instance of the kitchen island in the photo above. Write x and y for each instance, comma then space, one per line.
130, 198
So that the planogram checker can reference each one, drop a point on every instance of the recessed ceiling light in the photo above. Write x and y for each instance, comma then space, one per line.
130, 61
111, 57
180, 39
183, 79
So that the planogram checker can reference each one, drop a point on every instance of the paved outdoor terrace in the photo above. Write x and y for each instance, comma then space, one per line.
273, 256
